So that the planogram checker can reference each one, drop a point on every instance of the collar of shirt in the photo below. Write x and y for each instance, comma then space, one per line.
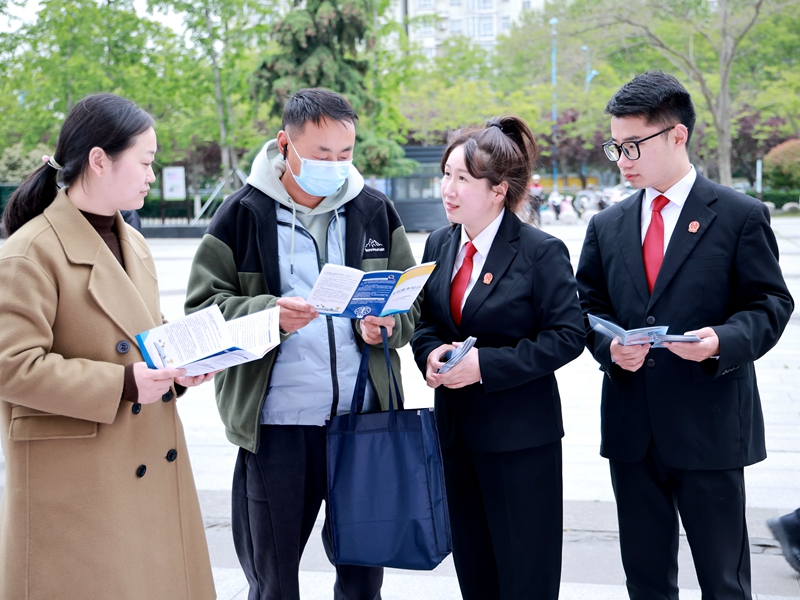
482, 242
677, 195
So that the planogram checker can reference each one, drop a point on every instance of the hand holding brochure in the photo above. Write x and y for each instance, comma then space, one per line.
457, 354
645, 335
204, 342
346, 292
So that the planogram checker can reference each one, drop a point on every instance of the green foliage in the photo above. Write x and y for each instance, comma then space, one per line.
333, 44
16, 164
777, 197
782, 165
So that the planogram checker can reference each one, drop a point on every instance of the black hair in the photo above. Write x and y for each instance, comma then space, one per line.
501, 150
658, 97
104, 121
315, 105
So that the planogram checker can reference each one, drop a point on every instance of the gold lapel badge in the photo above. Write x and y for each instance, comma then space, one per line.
694, 227
487, 279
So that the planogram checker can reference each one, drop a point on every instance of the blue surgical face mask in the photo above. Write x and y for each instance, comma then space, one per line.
320, 177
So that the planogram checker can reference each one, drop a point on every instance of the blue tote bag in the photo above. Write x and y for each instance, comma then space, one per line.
386, 496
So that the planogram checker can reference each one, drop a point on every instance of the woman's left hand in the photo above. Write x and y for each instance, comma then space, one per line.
371, 328
465, 373
189, 381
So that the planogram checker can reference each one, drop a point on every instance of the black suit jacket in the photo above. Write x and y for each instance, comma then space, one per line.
528, 323
726, 275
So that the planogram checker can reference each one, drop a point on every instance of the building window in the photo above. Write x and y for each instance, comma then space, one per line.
480, 5
455, 2
526, 4
425, 29
486, 26
429, 52
456, 26
422, 4
480, 27
505, 23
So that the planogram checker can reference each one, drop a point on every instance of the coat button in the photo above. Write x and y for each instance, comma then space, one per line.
651, 362
123, 347
651, 320
168, 396
141, 471
172, 455
136, 408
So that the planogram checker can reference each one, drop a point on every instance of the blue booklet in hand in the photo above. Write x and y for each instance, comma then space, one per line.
646, 335
346, 292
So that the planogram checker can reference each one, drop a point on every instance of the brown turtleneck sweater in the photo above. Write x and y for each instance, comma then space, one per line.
104, 226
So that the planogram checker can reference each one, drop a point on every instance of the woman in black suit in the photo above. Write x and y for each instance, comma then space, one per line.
498, 411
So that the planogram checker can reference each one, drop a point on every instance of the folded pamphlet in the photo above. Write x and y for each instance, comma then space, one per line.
457, 354
655, 336
204, 342
346, 292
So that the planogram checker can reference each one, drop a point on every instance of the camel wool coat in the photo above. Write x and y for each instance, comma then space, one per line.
100, 501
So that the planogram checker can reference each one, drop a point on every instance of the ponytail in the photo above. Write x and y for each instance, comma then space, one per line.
30, 199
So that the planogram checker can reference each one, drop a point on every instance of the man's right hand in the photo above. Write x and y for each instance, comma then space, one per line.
630, 358
296, 313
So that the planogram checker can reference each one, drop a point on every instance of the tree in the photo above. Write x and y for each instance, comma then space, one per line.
692, 35
755, 136
782, 165
225, 34
16, 164
329, 44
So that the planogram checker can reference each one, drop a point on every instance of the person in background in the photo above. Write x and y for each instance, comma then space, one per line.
679, 424
304, 205
100, 500
498, 411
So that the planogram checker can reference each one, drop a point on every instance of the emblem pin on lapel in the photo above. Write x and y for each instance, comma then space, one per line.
487, 279
694, 227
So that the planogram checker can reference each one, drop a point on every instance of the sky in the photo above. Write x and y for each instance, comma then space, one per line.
28, 14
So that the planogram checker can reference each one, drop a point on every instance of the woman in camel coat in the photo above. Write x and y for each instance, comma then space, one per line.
100, 501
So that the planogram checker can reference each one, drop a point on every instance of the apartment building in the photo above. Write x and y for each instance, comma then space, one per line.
481, 20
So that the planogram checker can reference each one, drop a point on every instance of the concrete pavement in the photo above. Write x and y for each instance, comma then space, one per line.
592, 567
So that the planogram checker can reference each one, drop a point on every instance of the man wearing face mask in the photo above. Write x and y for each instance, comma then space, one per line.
304, 205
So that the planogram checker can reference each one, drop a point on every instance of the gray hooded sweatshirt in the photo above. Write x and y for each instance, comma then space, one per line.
300, 391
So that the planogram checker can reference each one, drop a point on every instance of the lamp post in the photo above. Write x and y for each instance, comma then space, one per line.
590, 72
553, 23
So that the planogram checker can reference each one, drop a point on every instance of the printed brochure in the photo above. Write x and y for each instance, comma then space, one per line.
346, 292
203, 341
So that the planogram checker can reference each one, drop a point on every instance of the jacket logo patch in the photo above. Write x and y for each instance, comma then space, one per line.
373, 246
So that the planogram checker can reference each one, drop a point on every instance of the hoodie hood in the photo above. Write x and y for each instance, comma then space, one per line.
269, 166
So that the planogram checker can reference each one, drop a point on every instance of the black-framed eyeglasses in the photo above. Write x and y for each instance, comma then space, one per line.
630, 149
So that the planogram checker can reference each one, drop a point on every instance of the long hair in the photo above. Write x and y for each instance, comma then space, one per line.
105, 121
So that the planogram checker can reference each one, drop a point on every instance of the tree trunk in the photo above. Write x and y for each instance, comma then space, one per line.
223, 134
723, 121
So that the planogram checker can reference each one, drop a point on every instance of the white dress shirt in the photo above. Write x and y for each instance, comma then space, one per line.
677, 195
483, 243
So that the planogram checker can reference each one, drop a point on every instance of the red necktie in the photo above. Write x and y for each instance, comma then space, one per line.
653, 247
460, 281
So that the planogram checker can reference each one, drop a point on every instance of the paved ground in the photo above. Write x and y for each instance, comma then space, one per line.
592, 568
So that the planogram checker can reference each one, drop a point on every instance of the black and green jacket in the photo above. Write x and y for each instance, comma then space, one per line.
236, 267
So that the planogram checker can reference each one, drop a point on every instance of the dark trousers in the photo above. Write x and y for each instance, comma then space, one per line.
277, 494
711, 504
506, 514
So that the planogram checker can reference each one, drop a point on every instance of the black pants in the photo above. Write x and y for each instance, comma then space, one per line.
506, 515
711, 504
277, 494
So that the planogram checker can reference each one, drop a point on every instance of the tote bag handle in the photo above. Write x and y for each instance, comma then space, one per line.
359, 392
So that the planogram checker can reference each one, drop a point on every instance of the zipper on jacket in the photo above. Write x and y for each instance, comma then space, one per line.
328, 322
